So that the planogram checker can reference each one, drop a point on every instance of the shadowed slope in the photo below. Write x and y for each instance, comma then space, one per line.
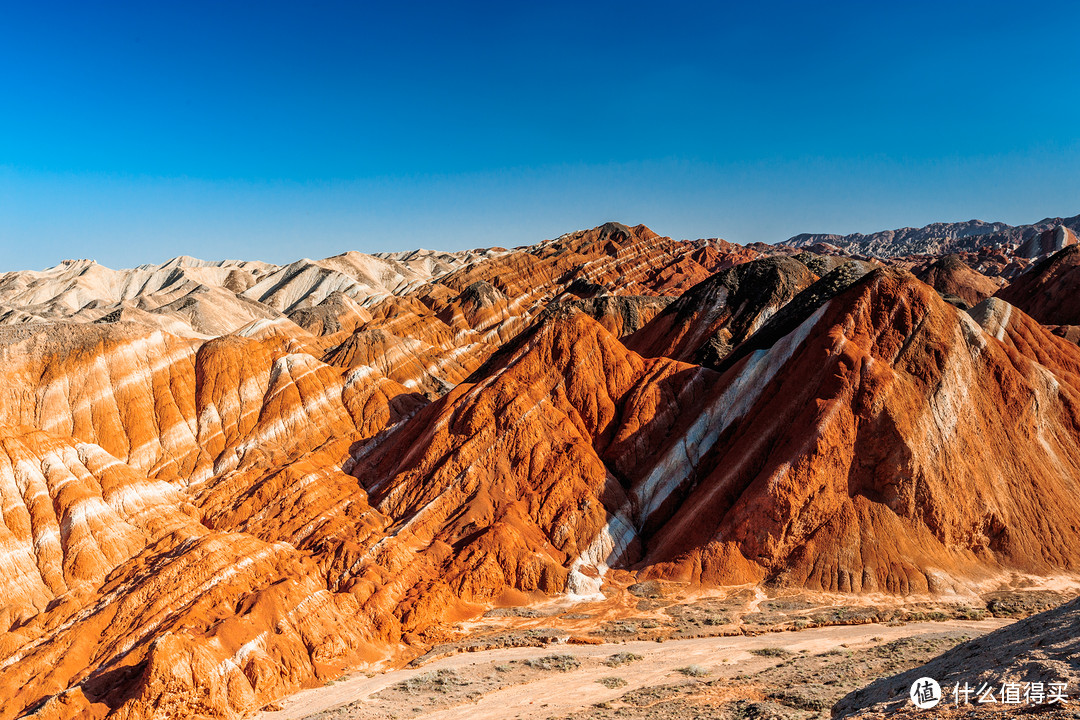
719, 313
1050, 290
887, 444
1042, 648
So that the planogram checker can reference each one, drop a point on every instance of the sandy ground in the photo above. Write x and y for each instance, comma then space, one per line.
509, 683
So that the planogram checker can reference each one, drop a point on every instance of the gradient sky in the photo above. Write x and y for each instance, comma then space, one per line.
134, 132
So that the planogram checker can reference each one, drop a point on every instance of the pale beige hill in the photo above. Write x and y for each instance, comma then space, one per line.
365, 278
183, 296
337, 313
436, 262
200, 298
172, 324
72, 284
211, 311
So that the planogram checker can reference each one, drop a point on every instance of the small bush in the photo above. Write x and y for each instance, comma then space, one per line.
562, 663
771, 652
623, 658
439, 681
620, 628
647, 589
612, 682
694, 671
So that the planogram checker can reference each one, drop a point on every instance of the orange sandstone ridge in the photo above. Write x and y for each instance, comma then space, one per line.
222, 482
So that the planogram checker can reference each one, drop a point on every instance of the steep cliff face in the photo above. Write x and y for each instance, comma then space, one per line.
194, 526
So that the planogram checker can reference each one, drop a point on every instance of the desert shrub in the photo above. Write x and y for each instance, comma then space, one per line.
647, 589
694, 671
620, 628
771, 652
438, 681
562, 663
623, 658
612, 682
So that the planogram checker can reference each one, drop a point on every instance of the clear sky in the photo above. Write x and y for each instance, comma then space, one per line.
135, 132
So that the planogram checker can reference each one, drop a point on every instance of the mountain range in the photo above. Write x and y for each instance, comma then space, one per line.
942, 238
222, 482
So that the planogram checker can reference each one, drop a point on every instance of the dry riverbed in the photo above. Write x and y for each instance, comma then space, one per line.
663, 650
791, 674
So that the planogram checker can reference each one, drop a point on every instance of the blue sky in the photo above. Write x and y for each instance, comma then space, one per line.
134, 132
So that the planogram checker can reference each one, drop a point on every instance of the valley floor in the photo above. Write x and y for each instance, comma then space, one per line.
788, 674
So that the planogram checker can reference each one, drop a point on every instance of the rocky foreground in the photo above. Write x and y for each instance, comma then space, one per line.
1041, 649
224, 482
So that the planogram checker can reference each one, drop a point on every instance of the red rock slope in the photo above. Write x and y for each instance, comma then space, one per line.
951, 276
887, 443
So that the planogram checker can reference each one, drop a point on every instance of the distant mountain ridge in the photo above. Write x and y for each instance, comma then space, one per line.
937, 238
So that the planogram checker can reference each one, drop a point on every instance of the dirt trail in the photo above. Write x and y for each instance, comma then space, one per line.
554, 693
